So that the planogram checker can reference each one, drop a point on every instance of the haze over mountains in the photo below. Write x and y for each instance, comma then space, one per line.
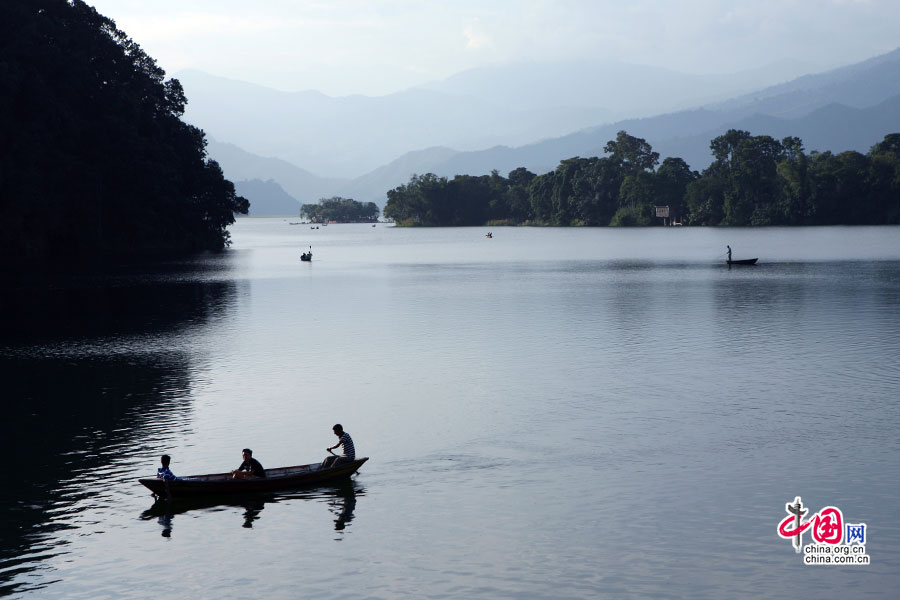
520, 115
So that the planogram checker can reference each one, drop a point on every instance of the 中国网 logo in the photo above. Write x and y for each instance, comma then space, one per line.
834, 542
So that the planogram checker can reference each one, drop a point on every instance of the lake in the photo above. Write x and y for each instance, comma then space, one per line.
549, 413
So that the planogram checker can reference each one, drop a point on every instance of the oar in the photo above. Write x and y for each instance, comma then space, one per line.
326, 458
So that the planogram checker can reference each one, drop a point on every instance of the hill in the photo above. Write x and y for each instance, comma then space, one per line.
298, 183
850, 108
511, 105
267, 198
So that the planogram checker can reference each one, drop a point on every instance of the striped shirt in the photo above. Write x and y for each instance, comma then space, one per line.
347, 442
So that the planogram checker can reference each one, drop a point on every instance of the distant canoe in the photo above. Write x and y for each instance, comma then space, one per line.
282, 478
306, 256
743, 261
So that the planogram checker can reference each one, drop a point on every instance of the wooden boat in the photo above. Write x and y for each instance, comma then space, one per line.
282, 478
743, 261
307, 256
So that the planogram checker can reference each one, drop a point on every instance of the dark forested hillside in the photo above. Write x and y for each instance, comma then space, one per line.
94, 158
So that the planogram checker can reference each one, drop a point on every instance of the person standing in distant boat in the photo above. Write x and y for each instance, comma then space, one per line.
249, 468
344, 440
729, 253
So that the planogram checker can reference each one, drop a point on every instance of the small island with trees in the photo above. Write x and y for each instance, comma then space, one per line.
753, 181
340, 210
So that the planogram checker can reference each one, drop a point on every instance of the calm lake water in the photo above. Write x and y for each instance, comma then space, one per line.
551, 413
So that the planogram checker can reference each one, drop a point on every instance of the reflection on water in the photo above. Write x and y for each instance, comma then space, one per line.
74, 421
343, 506
542, 428
91, 377
340, 499
252, 509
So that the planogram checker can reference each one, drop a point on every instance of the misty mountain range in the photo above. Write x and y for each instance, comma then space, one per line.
529, 116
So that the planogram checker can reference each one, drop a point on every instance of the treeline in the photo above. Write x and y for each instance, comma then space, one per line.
340, 210
754, 180
94, 157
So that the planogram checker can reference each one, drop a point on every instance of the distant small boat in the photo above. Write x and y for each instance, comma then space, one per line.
307, 256
743, 261
489, 235
282, 478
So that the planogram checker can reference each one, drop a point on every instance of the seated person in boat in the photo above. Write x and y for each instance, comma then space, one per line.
163, 472
166, 475
344, 440
249, 468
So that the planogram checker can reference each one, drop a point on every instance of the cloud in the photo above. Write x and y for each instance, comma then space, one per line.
190, 25
343, 47
476, 38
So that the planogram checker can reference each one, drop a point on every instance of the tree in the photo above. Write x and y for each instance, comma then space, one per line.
422, 201
795, 204
704, 198
540, 194
632, 154
95, 159
517, 201
340, 210
636, 197
748, 166
840, 188
884, 179
754, 180
724, 147
468, 200
672, 179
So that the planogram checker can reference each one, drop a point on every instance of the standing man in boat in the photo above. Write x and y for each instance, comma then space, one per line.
729, 253
344, 440
249, 468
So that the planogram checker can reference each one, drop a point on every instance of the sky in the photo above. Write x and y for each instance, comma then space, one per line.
376, 47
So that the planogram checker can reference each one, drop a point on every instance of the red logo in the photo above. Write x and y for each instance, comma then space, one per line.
827, 524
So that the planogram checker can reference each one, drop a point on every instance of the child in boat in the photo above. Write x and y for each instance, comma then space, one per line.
163, 472
166, 475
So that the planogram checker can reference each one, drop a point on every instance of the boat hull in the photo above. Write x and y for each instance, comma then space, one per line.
283, 478
744, 261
